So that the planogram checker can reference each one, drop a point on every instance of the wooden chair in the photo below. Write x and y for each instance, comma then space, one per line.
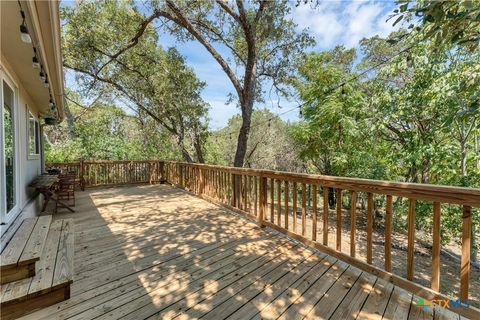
66, 188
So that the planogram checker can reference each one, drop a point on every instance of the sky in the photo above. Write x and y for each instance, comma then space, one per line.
331, 23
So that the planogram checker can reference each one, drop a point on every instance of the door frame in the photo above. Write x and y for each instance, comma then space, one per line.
7, 218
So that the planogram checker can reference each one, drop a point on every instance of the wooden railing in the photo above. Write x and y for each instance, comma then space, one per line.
299, 205
111, 173
289, 203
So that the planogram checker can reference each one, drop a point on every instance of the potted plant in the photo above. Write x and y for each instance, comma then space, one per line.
50, 120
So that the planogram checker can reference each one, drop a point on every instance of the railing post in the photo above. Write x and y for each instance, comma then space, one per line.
263, 201
82, 172
202, 181
466, 244
162, 172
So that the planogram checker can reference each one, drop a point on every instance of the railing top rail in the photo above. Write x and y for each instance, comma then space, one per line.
429, 192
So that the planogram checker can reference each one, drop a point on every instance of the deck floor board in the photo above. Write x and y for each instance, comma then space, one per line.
157, 252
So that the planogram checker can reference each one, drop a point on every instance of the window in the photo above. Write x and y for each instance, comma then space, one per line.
33, 136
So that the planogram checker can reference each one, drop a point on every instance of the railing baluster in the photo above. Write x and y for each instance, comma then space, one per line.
411, 238
466, 244
294, 200
279, 202
263, 201
325, 216
339, 219
369, 227
272, 201
388, 233
286, 204
255, 193
314, 213
304, 209
353, 221
245, 194
250, 195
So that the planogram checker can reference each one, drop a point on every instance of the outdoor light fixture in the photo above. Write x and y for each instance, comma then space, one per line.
46, 84
35, 62
25, 36
51, 105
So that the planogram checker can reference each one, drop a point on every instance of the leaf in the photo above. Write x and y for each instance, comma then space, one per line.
398, 20
457, 36
404, 7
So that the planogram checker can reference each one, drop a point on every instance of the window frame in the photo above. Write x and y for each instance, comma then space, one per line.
36, 137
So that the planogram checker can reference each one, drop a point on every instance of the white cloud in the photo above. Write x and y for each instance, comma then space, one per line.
341, 22
219, 112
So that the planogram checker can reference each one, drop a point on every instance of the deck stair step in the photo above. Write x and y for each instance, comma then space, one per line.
54, 275
17, 260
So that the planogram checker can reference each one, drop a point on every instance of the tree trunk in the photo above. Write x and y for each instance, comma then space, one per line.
477, 150
181, 144
473, 251
463, 158
70, 122
247, 107
197, 145
463, 149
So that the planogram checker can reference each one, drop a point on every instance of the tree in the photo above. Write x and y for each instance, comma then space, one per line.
106, 132
258, 44
444, 22
270, 145
153, 82
334, 122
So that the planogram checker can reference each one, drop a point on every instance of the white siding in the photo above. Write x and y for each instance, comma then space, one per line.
27, 169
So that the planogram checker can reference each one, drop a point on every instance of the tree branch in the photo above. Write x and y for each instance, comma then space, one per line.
124, 91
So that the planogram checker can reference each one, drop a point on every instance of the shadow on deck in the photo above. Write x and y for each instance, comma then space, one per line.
158, 252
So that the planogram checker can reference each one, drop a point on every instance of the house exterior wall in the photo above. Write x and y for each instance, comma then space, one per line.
28, 167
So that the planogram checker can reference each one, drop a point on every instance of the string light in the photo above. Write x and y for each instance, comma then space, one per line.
332, 89
26, 38
24, 35
35, 62
51, 105
42, 75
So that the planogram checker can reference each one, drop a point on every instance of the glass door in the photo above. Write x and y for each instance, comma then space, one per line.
9, 154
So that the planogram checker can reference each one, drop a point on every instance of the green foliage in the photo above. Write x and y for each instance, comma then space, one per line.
270, 145
156, 83
334, 135
443, 22
107, 133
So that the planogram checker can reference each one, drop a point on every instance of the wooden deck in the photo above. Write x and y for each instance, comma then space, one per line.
158, 252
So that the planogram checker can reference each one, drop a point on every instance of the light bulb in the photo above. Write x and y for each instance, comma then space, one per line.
35, 63
24, 34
